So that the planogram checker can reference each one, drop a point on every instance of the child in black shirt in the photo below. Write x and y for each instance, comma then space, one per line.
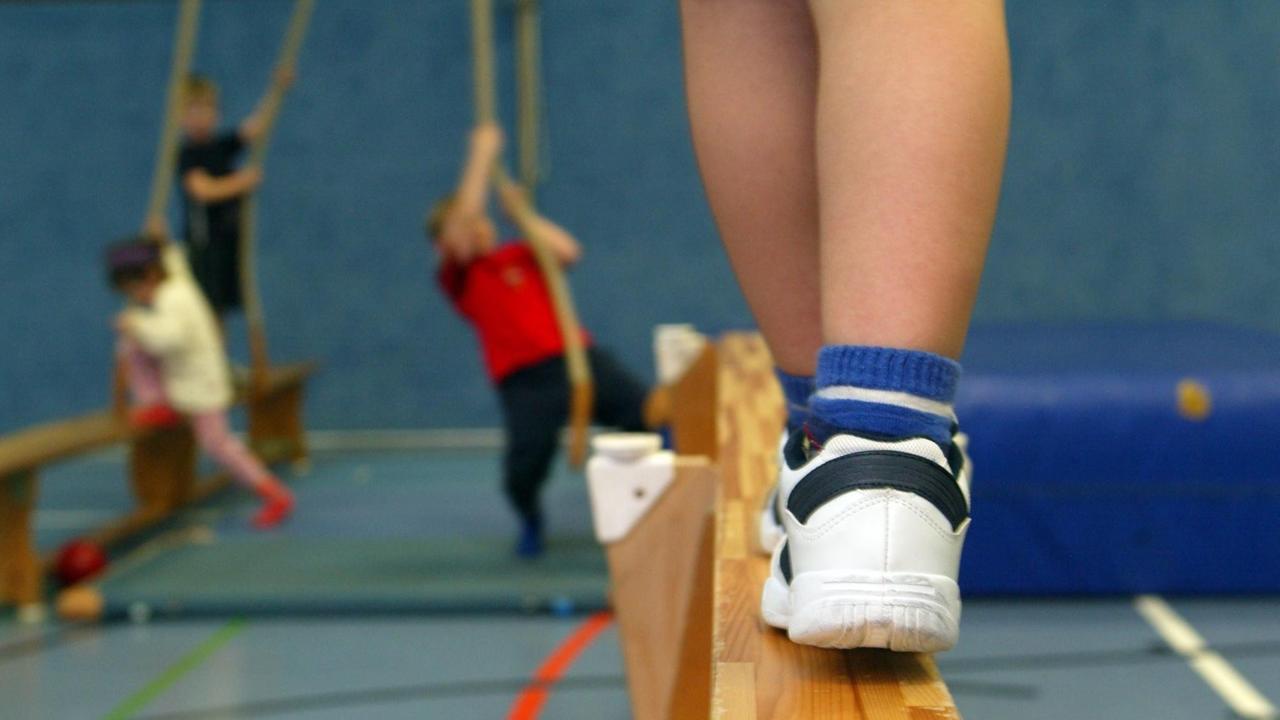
212, 189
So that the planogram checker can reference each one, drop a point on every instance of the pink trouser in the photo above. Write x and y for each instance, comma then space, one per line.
213, 433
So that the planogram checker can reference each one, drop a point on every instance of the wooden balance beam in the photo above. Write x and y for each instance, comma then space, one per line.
162, 472
686, 576
21, 456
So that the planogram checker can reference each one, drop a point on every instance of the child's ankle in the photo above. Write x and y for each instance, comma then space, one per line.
796, 390
271, 489
531, 542
883, 393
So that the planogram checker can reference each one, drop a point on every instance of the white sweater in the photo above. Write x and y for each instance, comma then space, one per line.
180, 330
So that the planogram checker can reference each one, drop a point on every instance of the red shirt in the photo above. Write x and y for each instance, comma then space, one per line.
504, 296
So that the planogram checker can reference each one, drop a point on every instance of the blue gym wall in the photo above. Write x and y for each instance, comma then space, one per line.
1142, 181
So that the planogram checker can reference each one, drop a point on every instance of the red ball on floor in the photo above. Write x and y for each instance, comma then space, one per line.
79, 560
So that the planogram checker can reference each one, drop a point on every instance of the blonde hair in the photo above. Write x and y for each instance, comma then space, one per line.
199, 87
437, 216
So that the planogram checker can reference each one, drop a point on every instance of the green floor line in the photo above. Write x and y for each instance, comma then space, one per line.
176, 671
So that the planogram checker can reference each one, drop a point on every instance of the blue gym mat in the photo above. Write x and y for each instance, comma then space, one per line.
1090, 477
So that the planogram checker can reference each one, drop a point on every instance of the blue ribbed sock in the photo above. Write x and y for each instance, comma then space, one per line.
886, 393
796, 389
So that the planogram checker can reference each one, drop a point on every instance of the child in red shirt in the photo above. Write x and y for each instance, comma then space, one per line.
499, 289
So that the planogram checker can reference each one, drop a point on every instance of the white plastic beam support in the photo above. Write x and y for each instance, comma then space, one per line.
625, 477
675, 348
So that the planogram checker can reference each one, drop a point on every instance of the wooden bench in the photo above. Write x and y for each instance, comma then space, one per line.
686, 577
275, 412
162, 470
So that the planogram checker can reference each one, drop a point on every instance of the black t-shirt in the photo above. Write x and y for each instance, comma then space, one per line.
219, 222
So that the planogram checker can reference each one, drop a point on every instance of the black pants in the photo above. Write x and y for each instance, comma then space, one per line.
216, 267
535, 408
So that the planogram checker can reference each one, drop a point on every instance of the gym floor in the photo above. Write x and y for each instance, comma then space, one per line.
1044, 659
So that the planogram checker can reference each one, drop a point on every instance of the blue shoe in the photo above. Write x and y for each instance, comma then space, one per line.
531, 543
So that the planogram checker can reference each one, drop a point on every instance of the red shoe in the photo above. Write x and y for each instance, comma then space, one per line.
154, 417
277, 504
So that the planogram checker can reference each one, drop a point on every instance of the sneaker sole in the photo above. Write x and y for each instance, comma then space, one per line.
902, 612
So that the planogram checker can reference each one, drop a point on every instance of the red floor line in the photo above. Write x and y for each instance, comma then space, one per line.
528, 704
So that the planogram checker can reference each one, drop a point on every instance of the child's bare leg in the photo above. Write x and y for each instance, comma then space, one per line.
912, 123
751, 74
912, 120
213, 434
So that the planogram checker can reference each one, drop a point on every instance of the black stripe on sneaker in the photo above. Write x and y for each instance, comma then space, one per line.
877, 469
784, 562
793, 452
955, 457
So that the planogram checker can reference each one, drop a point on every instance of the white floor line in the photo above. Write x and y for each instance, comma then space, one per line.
1237, 692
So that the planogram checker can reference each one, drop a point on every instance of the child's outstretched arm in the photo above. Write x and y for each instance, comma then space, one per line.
560, 242
472, 194
205, 188
254, 125
156, 230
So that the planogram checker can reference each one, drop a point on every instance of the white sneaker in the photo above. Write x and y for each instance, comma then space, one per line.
873, 536
769, 529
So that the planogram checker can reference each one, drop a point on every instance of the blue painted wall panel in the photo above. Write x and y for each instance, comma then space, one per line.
1141, 183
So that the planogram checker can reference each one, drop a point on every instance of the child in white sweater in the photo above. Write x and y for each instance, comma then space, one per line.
175, 363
